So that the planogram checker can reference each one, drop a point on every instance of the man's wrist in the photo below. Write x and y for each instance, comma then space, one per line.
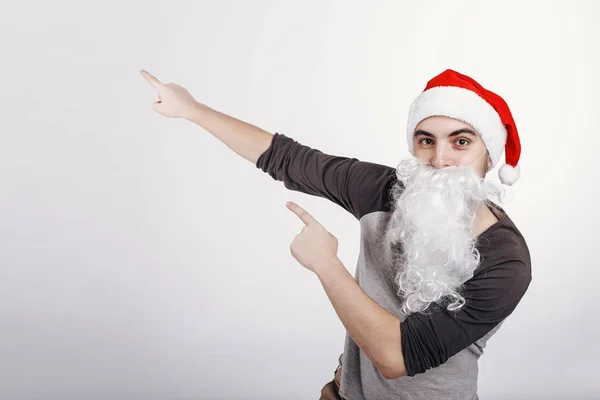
327, 265
196, 112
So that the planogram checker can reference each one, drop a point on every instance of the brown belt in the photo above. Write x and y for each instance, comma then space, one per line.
331, 391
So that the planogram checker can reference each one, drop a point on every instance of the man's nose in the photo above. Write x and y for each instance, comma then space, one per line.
440, 158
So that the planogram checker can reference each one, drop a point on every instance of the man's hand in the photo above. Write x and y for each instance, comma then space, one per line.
374, 329
173, 100
314, 246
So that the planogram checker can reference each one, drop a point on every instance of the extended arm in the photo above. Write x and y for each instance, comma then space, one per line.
245, 139
175, 101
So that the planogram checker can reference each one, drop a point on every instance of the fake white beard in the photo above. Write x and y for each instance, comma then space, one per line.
430, 236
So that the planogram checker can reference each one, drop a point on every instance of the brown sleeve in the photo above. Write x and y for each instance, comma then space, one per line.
491, 295
359, 187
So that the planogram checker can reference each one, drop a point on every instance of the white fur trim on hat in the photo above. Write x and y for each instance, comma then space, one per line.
464, 105
509, 174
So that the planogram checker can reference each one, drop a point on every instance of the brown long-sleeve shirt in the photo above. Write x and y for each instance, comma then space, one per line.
440, 350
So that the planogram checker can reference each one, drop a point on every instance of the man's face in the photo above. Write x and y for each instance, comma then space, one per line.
436, 198
444, 142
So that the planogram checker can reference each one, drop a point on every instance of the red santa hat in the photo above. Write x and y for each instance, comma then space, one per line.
458, 96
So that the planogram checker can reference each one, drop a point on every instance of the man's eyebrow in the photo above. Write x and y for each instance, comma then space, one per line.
421, 132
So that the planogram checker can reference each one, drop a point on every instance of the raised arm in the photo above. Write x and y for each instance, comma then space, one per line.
360, 187
357, 186
243, 138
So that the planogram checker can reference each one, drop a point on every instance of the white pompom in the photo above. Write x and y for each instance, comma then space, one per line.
509, 174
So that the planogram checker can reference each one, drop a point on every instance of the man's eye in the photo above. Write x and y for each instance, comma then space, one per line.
462, 142
424, 140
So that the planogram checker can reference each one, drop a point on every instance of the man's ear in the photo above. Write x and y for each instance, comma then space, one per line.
489, 161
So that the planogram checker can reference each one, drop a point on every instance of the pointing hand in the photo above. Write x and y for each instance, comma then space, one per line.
314, 245
173, 100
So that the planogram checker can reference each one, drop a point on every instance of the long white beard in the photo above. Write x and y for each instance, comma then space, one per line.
430, 236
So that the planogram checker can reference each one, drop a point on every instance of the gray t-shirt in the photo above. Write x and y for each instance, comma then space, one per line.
440, 350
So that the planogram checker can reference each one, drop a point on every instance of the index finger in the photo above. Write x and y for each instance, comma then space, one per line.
150, 78
301, 213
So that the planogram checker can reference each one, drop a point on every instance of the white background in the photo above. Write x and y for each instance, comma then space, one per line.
141, 259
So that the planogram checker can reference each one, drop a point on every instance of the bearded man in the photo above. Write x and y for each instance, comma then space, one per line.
441, 266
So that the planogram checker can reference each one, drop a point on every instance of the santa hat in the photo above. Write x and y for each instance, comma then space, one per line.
458, 96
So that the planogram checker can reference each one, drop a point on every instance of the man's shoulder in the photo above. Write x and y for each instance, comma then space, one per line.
503, 242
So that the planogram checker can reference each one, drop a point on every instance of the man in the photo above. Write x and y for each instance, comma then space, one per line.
440, 266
